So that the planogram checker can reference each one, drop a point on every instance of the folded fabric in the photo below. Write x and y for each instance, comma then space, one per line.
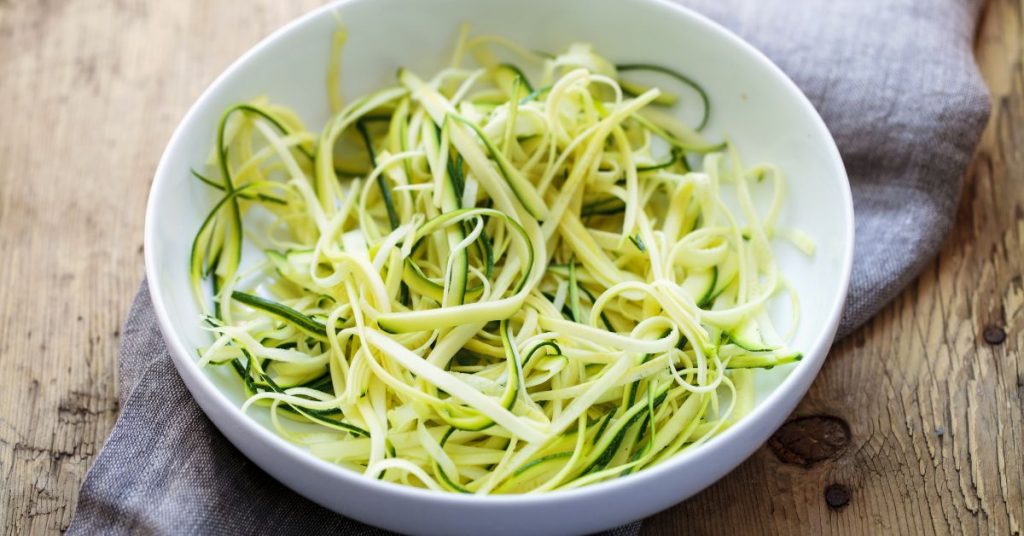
897, 85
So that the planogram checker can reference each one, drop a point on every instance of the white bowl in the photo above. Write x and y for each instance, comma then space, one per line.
755, 104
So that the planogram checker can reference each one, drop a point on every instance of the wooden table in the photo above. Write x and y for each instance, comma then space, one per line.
915, 424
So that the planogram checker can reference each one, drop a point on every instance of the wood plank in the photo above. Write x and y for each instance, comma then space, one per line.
91, 93
935, 411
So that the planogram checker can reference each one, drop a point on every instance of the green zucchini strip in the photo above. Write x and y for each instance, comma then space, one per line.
686, 80
502, 278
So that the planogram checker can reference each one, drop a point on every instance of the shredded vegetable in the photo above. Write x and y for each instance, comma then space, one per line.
505, 278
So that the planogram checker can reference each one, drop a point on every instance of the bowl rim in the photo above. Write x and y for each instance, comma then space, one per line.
802, 373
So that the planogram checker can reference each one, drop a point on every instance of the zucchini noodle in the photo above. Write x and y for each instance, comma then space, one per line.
483, 282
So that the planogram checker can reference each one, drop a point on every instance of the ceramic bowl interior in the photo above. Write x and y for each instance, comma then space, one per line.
754, 105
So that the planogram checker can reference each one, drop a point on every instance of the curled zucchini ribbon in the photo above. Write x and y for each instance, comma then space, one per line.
515, 276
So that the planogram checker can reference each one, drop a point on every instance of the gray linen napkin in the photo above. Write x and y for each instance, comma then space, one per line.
894, 79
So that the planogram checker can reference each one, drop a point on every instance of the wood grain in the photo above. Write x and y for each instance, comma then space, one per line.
91, 92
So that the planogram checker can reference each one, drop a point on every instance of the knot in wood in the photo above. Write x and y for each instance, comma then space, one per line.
994, 335
837, 496
806, 441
